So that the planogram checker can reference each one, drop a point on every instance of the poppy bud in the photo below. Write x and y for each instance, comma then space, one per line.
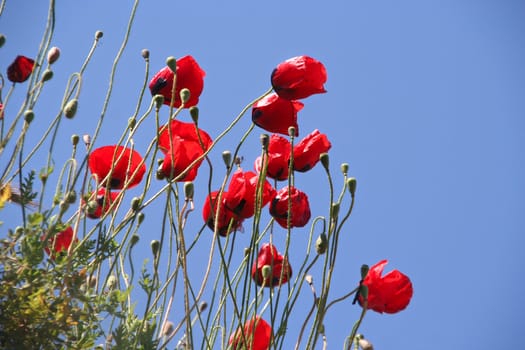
135, 203
112, 282
309, 279
227, 158
159, 174
321, 244
159, 101
140, 217
98, 34
134, 240
247, 251
363, 291
131, 123
167, 329
266, 272
265, 140
74, 139
155, 245
352, 183
2, 40
53, 54
188, 190
47, 75
145, 54
291, 131
325, 160
71, 197
87, 139
364, 271
91, 207
365, 344
194, 113
29, 116
185, 95
335, 210
344, 168
71, 108
172, 63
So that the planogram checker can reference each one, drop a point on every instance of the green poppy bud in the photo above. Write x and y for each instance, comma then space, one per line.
194, 113
325, 160
291, 131
140, 217
364, 271
112, 282
266, 272
172, 63
184, 95
131, 123
71, 197
134, 239
188, 190
47, 75
71, 108
135, 203
335, 210
29, 116
98, 34
145, 54
203, 306
155, 246
321, 244
352, 183
227, 158
344, 168
74, 139
158, 100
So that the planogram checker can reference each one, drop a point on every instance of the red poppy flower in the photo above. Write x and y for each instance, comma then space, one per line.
59, 243
20, 70
299, 77
306, 153
186, 145
189, 76
268, 255
390, 293
124, 165
226, 216
257, 332
242, 192
104, 199
299, 204
275, 114
279, 149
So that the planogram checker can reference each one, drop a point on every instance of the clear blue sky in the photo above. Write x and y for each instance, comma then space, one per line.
426, 102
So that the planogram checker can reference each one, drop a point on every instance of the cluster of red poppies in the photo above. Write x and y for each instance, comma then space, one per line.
117, 167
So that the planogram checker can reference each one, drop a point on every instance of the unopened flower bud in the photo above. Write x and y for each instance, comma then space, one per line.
98, 34
71, 108
184, 95
265, 140
145, 54
247, 251
47, 75
91, 206
227, 158
266, 272
131, 123
352, 183
167, 329
159, 174
158, 100
365, 344
2, 40
364, 271
134, 239
155, 246
71, 197
291, 131
188, 190
53, 54
321, 328
29, 116
194, 113
87, 139
112, 282
135, 203
325, 160
321, 244
335, 210
74, 139
140, 217
344, 168
172, 63
309, 279
203, 306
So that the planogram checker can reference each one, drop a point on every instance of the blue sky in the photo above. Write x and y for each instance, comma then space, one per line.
425, 102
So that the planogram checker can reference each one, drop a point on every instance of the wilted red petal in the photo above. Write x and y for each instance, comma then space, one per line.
59, 243
299, 77
242, 191
123, 163
279, 149
390, 293
104, 199
257, 332
189, 75
306, 153
268, 255
20, 70
225, 215
300, 206
275, 114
